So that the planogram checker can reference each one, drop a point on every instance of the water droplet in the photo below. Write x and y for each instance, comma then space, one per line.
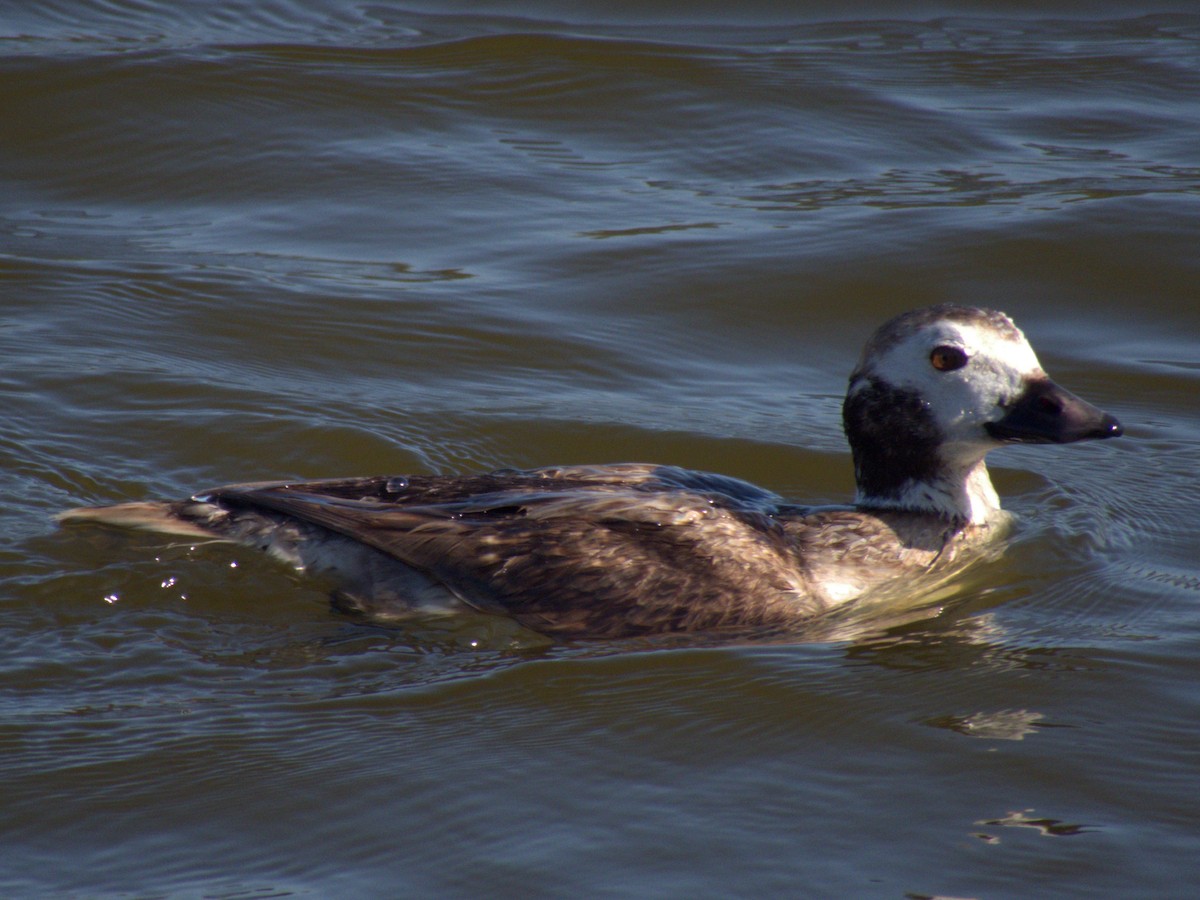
111, 598
397, 484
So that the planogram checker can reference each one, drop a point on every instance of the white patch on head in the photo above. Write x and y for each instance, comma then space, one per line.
963, 400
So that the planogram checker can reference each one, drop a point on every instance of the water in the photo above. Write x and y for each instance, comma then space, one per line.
291, 240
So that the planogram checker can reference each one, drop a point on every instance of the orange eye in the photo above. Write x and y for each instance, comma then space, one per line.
947, 359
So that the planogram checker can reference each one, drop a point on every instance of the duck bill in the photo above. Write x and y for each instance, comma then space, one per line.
1045, 413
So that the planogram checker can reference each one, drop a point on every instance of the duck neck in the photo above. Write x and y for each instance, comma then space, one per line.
964, 496
900, 461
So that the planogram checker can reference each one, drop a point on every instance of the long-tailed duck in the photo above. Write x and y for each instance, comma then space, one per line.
635, 549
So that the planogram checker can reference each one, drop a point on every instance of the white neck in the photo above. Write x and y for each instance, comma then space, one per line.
964, 494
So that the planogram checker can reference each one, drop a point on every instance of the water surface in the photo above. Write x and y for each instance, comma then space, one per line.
282, 240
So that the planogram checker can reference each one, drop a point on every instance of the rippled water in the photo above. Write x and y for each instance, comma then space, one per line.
276, 240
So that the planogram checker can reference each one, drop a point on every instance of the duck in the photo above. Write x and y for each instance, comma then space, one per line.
634, 549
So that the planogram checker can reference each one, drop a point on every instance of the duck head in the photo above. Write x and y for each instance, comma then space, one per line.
934, 391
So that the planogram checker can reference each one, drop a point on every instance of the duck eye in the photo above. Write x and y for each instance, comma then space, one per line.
947, 359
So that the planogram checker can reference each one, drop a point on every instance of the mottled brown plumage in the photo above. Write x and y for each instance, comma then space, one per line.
633, 549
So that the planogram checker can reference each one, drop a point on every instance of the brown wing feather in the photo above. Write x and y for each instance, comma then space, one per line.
617, 559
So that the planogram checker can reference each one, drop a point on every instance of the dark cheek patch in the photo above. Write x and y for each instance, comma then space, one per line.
893, 437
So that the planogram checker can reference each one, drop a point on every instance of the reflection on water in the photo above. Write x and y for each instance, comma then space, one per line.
314, 240
1044, 826
1000, 725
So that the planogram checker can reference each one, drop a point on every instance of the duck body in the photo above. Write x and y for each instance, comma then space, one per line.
634, 549
596, 551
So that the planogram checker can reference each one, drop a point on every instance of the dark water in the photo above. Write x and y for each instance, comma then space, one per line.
276, 240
